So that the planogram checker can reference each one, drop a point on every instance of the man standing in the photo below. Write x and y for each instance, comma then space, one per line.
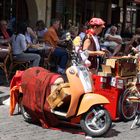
52, 40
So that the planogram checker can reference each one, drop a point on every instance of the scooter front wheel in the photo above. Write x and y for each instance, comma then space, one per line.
96, 122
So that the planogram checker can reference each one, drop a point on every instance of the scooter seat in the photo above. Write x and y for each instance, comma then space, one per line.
56, 98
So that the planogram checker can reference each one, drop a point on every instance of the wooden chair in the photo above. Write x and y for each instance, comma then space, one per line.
46, 59
4, 59
14, 63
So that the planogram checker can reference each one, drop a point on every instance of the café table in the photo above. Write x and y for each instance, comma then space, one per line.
40, 49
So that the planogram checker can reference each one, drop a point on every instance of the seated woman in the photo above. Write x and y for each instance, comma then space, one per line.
40, 30
30, 35
32, 40
19, 47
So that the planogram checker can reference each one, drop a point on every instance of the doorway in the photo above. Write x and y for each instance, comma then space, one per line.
13, 8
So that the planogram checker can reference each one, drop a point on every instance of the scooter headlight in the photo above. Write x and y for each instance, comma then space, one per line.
72, 71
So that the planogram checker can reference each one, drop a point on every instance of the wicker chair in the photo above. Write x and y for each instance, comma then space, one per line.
15, 63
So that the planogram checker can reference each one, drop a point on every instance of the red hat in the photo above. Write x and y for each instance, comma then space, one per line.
96, 21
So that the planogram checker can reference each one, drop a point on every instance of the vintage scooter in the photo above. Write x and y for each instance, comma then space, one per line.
75, 99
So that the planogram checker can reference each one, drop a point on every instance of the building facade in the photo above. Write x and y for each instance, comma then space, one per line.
126, 12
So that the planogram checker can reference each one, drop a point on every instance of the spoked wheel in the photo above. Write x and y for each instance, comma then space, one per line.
96, 122
127, 109
25, 114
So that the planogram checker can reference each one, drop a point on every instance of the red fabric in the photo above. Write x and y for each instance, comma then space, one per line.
90, 32
14, 90
36, 83
16, 80
54, 77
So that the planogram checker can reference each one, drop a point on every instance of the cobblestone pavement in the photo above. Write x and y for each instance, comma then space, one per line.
4, 87
4, 93
15, 128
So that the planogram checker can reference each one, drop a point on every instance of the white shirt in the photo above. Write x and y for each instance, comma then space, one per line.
41, 33
18, 44
111, 43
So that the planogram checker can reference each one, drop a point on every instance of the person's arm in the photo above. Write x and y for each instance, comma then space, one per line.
31, 32
113, 38
23, 43
116, 39
134, 39
86, 46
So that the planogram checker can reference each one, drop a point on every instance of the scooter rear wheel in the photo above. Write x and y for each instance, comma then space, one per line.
25, 114
96, 122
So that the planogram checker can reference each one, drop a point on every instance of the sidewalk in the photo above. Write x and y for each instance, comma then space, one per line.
4, 88
4, 93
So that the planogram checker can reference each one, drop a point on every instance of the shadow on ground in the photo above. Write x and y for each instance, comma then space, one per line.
112, 132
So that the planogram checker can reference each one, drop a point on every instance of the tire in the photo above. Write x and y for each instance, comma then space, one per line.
25, 114
102, 122
127, 110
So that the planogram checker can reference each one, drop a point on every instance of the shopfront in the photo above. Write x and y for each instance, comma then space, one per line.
131, 17
81, 11
126, 12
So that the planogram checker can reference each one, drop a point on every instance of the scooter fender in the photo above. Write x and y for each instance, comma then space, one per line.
90, 99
